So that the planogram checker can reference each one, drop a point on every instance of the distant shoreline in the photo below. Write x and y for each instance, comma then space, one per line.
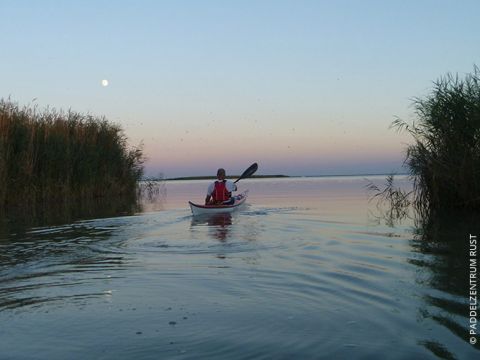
230, 177
186, 178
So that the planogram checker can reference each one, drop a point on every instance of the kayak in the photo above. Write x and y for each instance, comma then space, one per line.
198, 209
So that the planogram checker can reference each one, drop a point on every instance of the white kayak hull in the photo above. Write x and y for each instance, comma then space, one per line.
198, 209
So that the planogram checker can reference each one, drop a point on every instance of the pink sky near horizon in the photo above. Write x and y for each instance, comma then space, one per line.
277, 155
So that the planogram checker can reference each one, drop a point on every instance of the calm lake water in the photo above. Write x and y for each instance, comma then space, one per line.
304, 271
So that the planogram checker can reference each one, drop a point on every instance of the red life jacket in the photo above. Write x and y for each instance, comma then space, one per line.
220, 192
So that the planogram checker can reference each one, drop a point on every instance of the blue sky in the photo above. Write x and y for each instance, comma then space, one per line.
302, 87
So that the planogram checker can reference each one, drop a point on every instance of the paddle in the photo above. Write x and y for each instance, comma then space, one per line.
247, 173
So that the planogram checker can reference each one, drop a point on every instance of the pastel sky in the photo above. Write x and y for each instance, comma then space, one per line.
301, 87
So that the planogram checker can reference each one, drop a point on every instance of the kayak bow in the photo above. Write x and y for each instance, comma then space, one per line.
198, 209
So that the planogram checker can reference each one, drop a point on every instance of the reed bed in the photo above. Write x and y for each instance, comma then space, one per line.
444, 159
49, 157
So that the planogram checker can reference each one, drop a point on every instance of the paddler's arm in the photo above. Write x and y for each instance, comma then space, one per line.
231, 186
209, 193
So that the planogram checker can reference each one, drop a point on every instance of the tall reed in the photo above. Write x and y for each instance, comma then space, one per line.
53, 156
444, 159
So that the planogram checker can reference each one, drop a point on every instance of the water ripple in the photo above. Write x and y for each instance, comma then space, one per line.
297, 281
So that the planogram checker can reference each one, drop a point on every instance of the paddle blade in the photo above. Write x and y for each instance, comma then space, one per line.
249, 172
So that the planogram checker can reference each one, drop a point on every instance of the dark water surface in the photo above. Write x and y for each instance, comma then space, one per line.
304, 271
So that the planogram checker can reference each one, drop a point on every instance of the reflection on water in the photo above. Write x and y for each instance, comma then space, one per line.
17, 219
151, 196
65, 258
443, 242
441, 253
303, 276
219, 224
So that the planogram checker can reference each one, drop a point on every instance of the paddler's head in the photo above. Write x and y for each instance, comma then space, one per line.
221, 174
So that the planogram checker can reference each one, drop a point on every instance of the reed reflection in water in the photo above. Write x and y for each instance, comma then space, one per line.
444, 270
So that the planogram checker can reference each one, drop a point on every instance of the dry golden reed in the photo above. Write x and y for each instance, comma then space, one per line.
53, 156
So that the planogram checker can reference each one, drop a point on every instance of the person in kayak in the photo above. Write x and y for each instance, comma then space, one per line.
220, 191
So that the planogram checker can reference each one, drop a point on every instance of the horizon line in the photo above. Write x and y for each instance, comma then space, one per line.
207, 177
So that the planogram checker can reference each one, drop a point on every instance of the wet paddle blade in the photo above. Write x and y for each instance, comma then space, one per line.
249, 172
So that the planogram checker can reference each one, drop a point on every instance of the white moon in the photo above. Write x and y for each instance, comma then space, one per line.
104, 82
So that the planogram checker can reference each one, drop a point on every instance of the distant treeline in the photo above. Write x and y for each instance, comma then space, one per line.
230, 177
50, 156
